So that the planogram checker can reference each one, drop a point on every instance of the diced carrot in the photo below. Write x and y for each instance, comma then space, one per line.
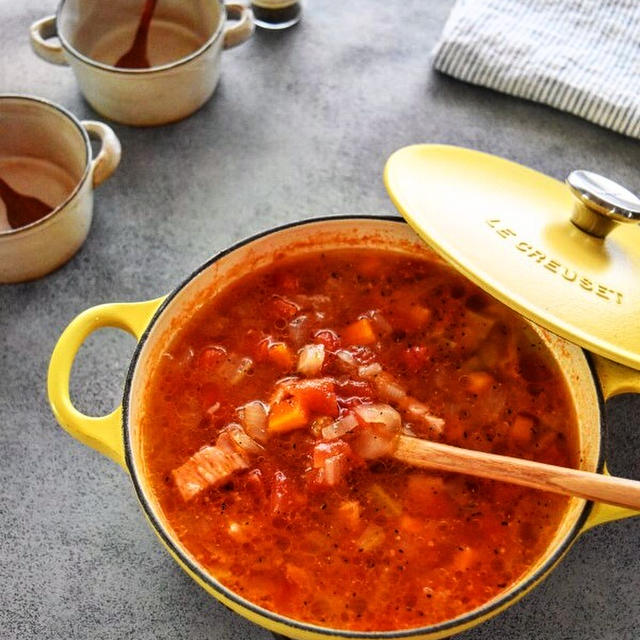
280, 355
522, 429
359, 332
316, 395
319, 398
288, 415
477, 381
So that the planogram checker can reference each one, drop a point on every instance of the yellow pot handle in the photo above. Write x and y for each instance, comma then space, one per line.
102, 433
614, 380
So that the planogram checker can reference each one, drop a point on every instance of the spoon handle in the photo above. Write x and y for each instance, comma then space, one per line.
547, 477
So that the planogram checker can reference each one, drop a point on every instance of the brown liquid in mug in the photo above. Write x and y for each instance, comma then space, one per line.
21, 209
136, 56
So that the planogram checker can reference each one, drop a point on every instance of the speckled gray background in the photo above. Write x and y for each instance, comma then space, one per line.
300, 126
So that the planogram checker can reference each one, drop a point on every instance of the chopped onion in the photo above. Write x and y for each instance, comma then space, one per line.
239, 438
311, 359
388, 388
212, 410
282, 389
297, 330
333, 470
235, 368
346, 357
380, 414
338, 428
243, 367
369, 370
379, 437
407, 429
254, 419
420, 411
318, 424
369, 445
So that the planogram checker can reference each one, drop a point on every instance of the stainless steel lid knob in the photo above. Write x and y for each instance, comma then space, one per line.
601, 203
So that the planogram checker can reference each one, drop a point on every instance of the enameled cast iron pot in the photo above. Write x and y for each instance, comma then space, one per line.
591, 380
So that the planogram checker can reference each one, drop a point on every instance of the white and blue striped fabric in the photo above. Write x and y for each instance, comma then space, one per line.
581, 56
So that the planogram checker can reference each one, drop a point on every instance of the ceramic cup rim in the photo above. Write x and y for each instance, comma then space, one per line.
61, 111
148, 71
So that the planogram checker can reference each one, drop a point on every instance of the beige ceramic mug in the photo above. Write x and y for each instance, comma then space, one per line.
184, 48
45, 152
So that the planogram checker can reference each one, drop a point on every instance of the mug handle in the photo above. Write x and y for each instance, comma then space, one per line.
105, 163
104, 433
238, 33
41, 31
614, 380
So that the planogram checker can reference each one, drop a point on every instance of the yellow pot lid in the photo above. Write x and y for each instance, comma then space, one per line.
531, 241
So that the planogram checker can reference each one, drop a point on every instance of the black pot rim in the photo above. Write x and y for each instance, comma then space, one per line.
230, 595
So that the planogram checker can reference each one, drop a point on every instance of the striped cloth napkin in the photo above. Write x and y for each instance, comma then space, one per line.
581, 56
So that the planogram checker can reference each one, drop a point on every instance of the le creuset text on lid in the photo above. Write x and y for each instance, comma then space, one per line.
557, 253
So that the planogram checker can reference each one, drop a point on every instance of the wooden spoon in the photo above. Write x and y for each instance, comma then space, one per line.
547, 477
21, 209
136, 56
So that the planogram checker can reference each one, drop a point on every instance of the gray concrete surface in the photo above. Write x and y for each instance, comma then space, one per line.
300, 126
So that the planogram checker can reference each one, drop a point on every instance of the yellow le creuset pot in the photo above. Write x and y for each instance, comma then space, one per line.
590, 378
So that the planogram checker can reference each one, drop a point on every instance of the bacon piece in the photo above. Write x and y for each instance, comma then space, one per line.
214, 464
206, 468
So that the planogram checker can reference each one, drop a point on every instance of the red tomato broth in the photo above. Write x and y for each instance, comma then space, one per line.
389, 546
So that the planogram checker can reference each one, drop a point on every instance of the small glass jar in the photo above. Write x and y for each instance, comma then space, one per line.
276, 14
